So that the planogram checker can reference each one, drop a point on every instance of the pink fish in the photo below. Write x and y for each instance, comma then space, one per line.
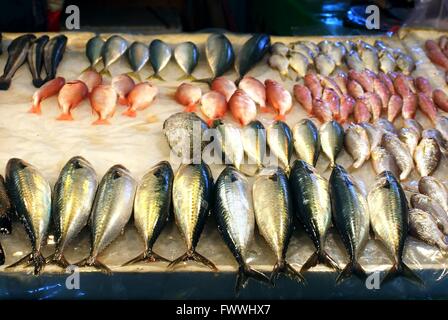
330, 83
254, 89
427, 106
355, 89
123, 84
303, 96
321, 110
242, 107
381, 90
401, 85
361, 112
103, 100
332, 100
91, 78
189, 96
409, 106
387, 82
423, 86
70, 96
341, 79
49, 89
213, 106
346, 109
394, 107
224, 86
435, 54
140, 97
365, 79
278, 97
373, 102
440, 99
313, 83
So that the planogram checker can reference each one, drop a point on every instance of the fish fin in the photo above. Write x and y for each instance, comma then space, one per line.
193, 256
24, 260
5, 225
35, 109
352, 268
85, 69
135, 75
190, 108
106, 72
204, 80
402, 270
155, 76
187, 77
280, 117
147, 256
320, 257
58, 260
4, 83
129, 112
65, 117
244, 273
94, 262
37, 83
285, 268
101, 122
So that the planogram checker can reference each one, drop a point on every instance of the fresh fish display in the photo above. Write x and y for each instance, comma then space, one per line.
279, 138
252, 51
140, 98
357, 144
192, 192
224, 86
255, 90
30, 195
180, 129
91, 78
281, 64
278, 97
35, 59
17, 54
424, 227
186, 55
188, 95
113, 49
431, 206
312, 205
49, 89
152, 208
70, 96
6, 211
159, 55
410, 138
350, 217
382, 161
73, 197
138, 56
400, 152
255, 142
213, 106
435, 189
103, 100
332, 140
94, 49
219, 53
306, 141
123, 85
427, 156
242, 107
53, 53
231, 143
236, 220
112, 209
388, 208
273, 215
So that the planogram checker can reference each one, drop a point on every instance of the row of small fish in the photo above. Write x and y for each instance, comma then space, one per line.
218, 50
103, 97
40, 53
437, 51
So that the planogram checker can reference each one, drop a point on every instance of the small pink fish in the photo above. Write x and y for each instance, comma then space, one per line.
435, 54
70, 96
373, 102
341, 79
49, 89
189, 96
440, 99
303, 96
365, 79
140, 98
394, 107
313, 83
254, 89
223, 86
242, 107
213, 106
423, 86
381, 90
387, 82
123, 84
103, 100
278, 97
427, 106
409, 106
91, 78
331, 98
401, 85
355, 89
321, 110
361, 112
330, 83
346, 109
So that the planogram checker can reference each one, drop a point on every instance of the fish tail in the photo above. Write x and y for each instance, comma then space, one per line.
401, 269
5, 225
193, 256
101, 122
352, 268
37, 83
285, 268
129, 112
155, 76
94, 262
244, 273
191, 108
188, 77
57, 259
320, 257
280, 117
5, 83
35, 108
105, 72
65, 117
204, 80
134, 75
147, 256
25, 259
